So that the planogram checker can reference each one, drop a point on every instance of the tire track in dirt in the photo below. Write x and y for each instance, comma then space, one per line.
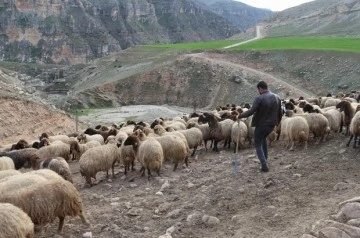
275, 82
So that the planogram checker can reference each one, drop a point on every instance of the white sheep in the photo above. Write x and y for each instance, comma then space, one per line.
100, 158
84, 138
354, 128
149, 152
194, 136
15, 223
331, 102
174, 147
204, 128
318, 124
239, 132
297, 130
8, 173
59, 198
77, 149
55, 149
334, 117
56, 164
6, 163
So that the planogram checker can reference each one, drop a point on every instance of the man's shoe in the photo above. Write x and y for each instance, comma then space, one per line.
266, 169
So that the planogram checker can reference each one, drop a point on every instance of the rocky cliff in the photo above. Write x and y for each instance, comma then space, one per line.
319, 17
76, 31
241, 15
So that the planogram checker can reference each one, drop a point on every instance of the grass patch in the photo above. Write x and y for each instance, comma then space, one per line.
81, 112
304, 43
195, 45
130, 118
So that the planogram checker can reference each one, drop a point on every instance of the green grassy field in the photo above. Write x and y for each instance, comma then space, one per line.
196, 45
303, 43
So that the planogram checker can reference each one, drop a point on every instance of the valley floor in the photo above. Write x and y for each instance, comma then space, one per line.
301, 188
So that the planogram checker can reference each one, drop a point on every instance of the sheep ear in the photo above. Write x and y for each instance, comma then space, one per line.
295, 110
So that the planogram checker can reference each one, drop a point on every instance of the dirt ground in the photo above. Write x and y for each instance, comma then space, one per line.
301, 188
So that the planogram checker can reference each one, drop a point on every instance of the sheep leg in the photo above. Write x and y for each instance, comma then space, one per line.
142, 171
215, 147
193, 153
306, 144
126, 169
187, 161
88, 180
112, 171
83, 219
292, 146
355, 139
175, 166
158, 172
133, 165
351, 137
149, 174
61, 223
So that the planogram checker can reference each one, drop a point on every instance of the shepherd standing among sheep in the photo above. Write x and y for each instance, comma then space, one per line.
267, 112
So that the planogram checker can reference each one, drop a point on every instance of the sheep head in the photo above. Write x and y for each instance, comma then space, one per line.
132, 140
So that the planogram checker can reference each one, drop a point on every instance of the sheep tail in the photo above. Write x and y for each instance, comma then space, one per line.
302, 136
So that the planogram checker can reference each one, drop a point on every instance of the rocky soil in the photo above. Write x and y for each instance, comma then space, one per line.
211, 199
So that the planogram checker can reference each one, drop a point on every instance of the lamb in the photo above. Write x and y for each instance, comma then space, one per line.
64, 138
77, 149
334, 116
103, 131
176, 125
161, 131
62, 199
128, 157
354, 128
218, 131
21, 158
331, 102
297, 130
174, 147
204, 128
84, 138
100, 158
239, 133
55, 149
6, 163
149, 152
15, 222
21, 144
194, 136
56, 164
318, 124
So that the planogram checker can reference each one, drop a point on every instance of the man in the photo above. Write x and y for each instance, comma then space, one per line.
267, 114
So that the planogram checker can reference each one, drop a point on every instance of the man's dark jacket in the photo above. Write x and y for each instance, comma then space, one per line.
266, 109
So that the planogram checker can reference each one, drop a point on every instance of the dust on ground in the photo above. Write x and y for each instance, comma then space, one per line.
301, 188
146, 113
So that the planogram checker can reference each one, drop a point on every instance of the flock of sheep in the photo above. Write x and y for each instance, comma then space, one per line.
38, 197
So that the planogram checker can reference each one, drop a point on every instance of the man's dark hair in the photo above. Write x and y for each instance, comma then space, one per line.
262, 85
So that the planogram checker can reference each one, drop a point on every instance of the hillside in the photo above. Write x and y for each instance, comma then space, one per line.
241, 15
80, 31
317, 18
217, 77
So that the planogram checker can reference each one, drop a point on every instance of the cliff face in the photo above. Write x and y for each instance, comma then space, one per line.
76, 31
319, 17
241, 15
